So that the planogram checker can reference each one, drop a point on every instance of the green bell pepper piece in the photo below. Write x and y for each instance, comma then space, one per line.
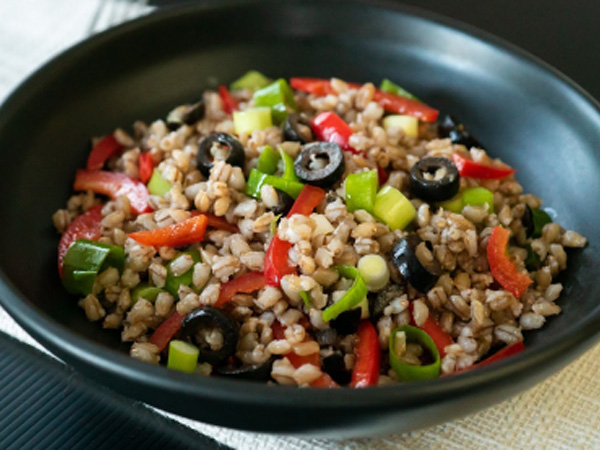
172, 282
361, 190
85, 259
540, 218
251, 80
278, 96
409, 372
455, 204
478, 196
257, 179
249, 120
391, 87
145, 291
268, 160
158, 185
352, 298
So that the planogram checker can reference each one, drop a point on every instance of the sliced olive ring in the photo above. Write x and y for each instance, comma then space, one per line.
297, 128
236, 156
207, 318
334, 366
256, 372
434, 179
421, 275
347, 322
320, 164
185, 114
450, 127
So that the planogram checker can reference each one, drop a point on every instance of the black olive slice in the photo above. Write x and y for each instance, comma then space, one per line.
335, 367
379, 300
205, 319
284, 203
297, 128
347, 322
450, 127
185, 114
422, 275
257, 372
320, 164
235, 157
434, 179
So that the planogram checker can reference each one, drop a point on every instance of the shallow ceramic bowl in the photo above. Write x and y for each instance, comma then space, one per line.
522, 110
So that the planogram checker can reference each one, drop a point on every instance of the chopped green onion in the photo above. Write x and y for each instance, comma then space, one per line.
173, 282
540, 218
455, 204
374, 270
352, 298
408, 124
268, 160
409, 372
245, 122
145, 291
278, 96
391, 87
85, 259
183, 356
158, 185
361, 190
305, 298
257, 179
478, 196
251, 80
393, 208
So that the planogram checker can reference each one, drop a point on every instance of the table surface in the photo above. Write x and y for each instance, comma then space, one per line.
561, 412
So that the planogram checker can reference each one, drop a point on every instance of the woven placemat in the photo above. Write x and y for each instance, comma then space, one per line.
562, 412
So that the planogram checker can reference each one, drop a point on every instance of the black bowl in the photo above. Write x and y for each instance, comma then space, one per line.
521, 109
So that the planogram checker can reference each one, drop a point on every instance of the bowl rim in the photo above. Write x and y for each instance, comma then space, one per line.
74, 347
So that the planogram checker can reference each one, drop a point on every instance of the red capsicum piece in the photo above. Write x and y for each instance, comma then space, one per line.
146, 165
276, 259
166, 331
114, 185
230, 104
471, 169
504, 353
244, 284
390, 102
105, 148
440, 338
503, 269
220, 223
182, 233
330, 127
86, 226
368, 356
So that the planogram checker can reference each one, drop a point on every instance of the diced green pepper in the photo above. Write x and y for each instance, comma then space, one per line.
183, 356
245, 122
145, 291
85, 259
393, 208
352, 298
361, 190
409, 372
391, 87
158, 185
478, 196
455, 204
268, 160
252, 80
540, 218
257, 179
172, 282
278, 96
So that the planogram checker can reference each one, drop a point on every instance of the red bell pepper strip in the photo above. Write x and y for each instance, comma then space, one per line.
182, 233
276, 259
146, 165
86, 226
105, 148
390, 102
114, 185
368, 355
166, 331
220, 223
230, 104
440, 338
471, 169
382, 175
324, 381
504, 353
330, 127
244, 284
503, 269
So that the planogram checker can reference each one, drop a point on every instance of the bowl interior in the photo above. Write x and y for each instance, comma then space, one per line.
521, 111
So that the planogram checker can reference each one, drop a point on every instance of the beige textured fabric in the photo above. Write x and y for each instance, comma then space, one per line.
562, 412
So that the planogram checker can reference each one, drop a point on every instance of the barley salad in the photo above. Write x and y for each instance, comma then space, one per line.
309, 232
